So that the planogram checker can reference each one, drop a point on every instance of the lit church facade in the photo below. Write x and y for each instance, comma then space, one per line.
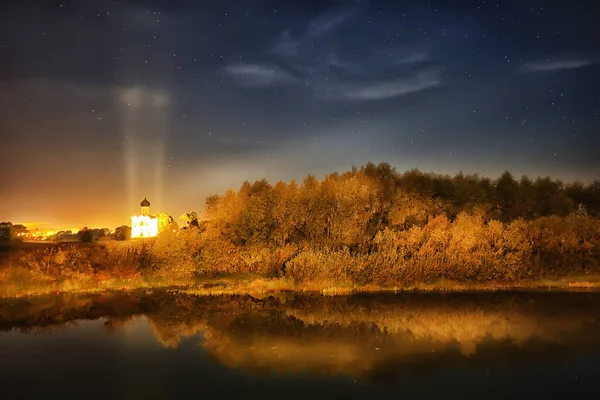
144, 225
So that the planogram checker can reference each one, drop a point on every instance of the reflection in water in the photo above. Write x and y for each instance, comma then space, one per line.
372, 338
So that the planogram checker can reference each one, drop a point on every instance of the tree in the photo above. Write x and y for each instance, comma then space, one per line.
383, 180
507, 196
256, 220
286, 213
18, 231
593, 205
347, 212
551, 199
85, 235
411, 209
122, 233
313, 221
166, 223
191, 218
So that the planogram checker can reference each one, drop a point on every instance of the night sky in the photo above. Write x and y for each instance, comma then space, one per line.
104, 102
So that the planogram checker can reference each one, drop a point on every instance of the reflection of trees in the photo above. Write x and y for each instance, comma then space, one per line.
373, 336
57, 311
46, 330
444, 319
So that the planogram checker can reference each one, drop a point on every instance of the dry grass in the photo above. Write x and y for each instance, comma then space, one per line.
34, 270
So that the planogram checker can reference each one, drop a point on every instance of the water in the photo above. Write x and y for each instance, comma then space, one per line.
161, 345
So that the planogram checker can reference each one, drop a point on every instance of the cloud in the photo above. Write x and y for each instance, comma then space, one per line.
259, 75
332, 74
390, 88
555, 65
334, 61
288, 46
414, 58
331, 66
328, 21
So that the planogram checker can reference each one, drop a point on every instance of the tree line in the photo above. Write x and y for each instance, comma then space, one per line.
368, 226
373, 225
349, 209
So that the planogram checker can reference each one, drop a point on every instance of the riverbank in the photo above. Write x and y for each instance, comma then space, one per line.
260, 286
193, 262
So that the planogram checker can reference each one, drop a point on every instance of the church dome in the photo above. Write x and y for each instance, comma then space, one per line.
145, 203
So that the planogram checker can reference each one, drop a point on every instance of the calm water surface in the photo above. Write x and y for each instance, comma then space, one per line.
161, 345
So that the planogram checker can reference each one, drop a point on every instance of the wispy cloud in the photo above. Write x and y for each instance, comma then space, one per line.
337, 62
328, 21
326, 71
390, 88
330, 66
554, 65
287, 45
258, 75
414, 58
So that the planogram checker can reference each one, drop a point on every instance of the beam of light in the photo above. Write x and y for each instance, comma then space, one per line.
160, 103
130, 100
144, 115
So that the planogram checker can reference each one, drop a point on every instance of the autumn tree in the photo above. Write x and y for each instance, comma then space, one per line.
507, 197
346, 207
85, 235
191, 218
256, 223
122, 232
167, 223
286, 213
383, 181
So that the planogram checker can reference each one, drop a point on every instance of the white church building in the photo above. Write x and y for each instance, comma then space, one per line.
144, 225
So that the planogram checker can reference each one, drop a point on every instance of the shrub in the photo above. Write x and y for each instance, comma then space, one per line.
324, 267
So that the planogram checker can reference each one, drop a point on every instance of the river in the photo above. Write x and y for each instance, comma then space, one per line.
292, 346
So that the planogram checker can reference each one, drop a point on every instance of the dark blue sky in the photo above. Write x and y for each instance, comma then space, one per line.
104, 101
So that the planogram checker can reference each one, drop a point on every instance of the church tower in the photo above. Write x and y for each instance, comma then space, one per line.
145, 206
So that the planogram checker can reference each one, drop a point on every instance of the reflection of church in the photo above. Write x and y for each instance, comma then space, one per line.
144, 225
